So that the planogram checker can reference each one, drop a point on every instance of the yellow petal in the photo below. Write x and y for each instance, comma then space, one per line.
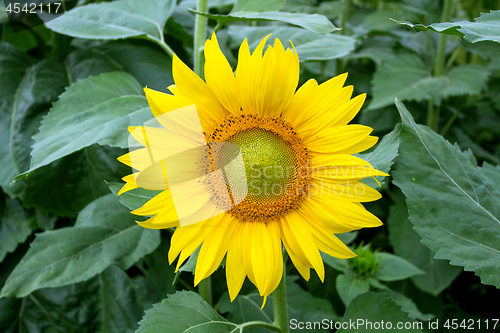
334, 139
219, 76
214, 248
129, 184
352, 191
192, 87
367, 143
257, 77
156, 204
235, 274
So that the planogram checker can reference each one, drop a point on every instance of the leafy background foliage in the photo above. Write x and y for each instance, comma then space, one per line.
72, 258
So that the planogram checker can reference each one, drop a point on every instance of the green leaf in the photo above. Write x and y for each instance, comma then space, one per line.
453, 204
383, 155
149, 65
40, 86
375, 308
336, 263
73, 308
406, 243
406, 78
349, 288
301, 305
93, 110
15, 226
157, 278
105, 234
485, 27
408, 306
67, 185
181, 312
107, 303
257, 5
13, 64
393, 268
312, 22
132, 199
466, 79
309, 45
119, 296
115, 20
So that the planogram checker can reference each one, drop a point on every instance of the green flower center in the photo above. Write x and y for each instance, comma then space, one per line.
269, 163
275, 164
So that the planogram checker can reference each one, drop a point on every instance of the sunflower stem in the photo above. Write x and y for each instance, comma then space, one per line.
205, 290
200, 29
433, 113
279, 305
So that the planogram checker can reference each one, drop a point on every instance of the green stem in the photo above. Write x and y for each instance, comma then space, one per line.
279, 304
205, 290
344, 16
249, 324
433, 113
445, 17
200, 28
60, 46
168, 50
448, 124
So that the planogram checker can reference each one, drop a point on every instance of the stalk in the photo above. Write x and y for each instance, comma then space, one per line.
200, 29
433, 113
279, 305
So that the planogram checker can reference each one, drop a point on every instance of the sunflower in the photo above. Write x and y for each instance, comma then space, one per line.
302, 181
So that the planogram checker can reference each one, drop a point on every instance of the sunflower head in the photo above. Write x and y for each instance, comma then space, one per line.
270, 166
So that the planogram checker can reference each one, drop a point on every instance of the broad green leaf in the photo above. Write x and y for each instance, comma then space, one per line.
157, 278
467, 79
257, 5
115, 20
73, 308
312, 22
93, 110
302, 307
408, 306
349, 288
406, 78
309, 45
105, 234
67, 185
107, 303
340, 265
485, 27
347, 237
433, 175
375, 308
181, 312
40, 86
406, 243
383, 155
120, 309
393, 268
15, 226
150, 66
13, 64
132, 199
